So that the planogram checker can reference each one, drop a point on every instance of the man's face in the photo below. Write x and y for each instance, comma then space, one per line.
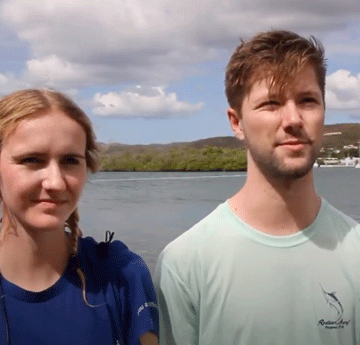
282, 131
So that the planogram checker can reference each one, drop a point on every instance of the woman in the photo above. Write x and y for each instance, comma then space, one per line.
55, 286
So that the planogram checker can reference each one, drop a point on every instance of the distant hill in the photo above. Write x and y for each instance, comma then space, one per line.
350, 135
228, 142
211, 154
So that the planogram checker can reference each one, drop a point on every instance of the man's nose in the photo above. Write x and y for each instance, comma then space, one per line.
291, 115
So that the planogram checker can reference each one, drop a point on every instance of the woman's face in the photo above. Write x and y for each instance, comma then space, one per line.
43, 171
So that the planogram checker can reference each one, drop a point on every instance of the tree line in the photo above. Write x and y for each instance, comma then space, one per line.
209, 158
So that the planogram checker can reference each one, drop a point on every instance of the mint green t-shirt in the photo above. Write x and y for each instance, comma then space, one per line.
223, 282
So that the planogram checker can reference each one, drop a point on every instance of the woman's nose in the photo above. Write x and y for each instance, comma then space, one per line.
53, 178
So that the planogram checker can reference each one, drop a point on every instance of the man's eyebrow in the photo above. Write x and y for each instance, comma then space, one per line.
310, 93
266, 97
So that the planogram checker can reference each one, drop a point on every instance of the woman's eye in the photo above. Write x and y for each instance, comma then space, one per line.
70, 160
32, 160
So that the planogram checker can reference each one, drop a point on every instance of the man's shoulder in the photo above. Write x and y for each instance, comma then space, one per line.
332, 220
200, 236
209, 223
331, 213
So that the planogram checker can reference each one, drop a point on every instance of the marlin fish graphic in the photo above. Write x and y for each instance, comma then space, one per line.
333, 302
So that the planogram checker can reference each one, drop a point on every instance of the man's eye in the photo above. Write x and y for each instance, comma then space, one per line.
270, 103
309, 100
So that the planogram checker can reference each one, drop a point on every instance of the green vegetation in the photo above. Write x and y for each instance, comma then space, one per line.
320, 161
214, 154
208, 158
339, 153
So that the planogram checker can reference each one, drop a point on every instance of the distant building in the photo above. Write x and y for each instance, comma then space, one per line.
349, 147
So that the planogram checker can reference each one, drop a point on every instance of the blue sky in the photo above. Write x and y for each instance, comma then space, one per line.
152, 71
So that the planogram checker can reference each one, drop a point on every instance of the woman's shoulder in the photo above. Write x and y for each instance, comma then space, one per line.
115, 255
126, 279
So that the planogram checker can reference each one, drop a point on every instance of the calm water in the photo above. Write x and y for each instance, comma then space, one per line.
148, 210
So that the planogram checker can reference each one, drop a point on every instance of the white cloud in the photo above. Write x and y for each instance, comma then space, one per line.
147, 102
154, 41
343, 92
92, 43
52, 70
9, 83
3, 79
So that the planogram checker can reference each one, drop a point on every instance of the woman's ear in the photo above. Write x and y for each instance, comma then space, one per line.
236, 123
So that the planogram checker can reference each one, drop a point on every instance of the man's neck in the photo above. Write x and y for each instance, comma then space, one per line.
277, 207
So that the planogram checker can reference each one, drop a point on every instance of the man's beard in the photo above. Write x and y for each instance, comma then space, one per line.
273, 166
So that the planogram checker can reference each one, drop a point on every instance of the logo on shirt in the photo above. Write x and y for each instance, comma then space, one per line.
146, 305
334, 303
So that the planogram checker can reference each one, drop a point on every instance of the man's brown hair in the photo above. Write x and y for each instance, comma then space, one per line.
279, 55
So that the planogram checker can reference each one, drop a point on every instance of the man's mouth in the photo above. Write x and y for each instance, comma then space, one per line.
294, 144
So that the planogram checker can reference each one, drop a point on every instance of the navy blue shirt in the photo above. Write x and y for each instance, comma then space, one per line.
119, 290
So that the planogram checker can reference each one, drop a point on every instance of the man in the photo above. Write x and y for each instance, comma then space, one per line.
274, 264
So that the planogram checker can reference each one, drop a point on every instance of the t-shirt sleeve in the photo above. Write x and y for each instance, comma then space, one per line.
139, 298
178, 317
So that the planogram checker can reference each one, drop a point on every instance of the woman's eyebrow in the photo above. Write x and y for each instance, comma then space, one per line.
42, 154
77, 155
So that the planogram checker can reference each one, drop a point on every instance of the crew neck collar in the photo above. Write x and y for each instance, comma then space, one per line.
273, 240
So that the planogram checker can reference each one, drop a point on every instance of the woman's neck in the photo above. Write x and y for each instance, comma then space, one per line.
33, 260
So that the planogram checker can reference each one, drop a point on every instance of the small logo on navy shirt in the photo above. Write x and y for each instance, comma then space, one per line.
146, 305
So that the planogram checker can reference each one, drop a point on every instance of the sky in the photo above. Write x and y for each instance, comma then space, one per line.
152, 71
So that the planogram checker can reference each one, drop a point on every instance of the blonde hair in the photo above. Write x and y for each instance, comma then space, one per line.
28, 103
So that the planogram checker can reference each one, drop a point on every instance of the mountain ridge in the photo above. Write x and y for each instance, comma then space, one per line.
350, 136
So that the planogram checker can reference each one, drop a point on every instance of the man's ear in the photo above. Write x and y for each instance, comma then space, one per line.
235, 123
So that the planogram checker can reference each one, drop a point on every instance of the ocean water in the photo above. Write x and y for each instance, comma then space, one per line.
148, 210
